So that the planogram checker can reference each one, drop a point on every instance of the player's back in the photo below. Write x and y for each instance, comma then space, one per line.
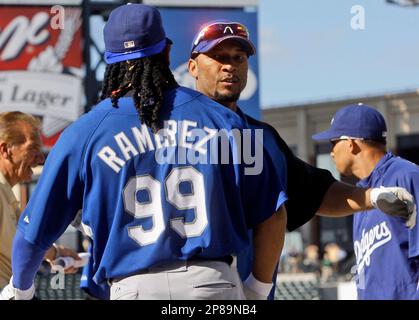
147, 198
151, 198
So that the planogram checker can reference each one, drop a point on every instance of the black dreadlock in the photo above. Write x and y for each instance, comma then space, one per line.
149, 77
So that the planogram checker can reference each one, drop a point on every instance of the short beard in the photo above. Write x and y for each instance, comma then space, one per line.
226, 98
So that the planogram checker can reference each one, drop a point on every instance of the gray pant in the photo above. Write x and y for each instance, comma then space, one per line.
183, 280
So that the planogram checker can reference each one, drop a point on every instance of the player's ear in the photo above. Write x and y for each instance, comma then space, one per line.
354, 146
4, 150
193, 68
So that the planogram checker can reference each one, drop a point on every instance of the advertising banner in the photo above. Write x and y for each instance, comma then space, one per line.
41, 65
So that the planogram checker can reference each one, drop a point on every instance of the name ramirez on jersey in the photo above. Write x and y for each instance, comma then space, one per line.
185, 135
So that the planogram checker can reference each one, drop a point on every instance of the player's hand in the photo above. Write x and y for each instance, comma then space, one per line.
11, 293
61, 251
67, 252
395, 201
256, 290
62, 264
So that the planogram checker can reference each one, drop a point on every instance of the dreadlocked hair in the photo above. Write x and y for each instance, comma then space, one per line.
148, 77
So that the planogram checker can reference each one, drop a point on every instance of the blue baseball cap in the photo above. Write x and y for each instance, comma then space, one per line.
355, 121
133, 31
216, 31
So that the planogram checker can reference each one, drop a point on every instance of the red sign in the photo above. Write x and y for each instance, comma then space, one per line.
41, 41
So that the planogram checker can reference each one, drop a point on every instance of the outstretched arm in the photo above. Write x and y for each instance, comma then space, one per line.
342, 199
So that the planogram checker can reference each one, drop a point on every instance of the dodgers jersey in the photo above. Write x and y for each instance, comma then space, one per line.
145, 198
387, 252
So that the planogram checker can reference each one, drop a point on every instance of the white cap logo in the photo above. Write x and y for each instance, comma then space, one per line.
129, 44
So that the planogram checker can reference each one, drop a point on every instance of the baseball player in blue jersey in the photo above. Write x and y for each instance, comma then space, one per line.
386, 249
156, 170
219, 64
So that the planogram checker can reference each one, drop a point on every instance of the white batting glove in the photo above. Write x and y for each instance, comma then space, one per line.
62, 263
395, 201
255, 289
11, 293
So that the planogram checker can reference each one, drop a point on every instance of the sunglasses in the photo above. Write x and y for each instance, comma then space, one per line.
219, 30
341, 138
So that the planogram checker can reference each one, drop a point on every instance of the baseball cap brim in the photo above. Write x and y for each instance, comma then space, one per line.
326, 135
205, 46
114, 57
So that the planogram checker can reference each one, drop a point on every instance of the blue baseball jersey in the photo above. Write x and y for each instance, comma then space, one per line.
275, 185
387, 252
99, 291
146, 198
